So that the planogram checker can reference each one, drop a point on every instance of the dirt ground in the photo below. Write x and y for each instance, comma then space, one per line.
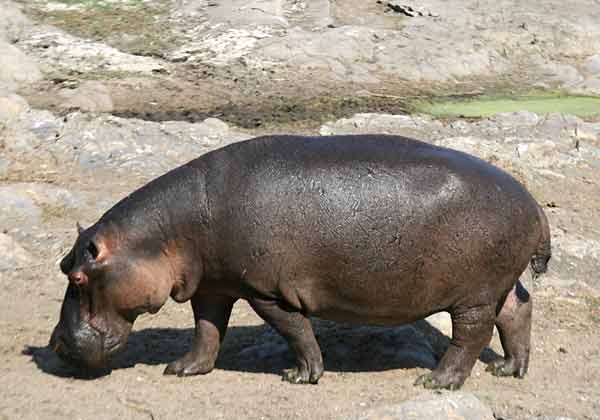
562, 380
362, 366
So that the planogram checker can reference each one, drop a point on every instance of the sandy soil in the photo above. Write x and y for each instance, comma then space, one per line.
362, 369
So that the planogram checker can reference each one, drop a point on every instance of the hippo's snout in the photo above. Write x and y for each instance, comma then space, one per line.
85, 339
80, 350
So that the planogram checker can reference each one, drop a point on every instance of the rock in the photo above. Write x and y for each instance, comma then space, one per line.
12, 254
11, 107
404, 125
552, 418
247, 12
565, 74
433, 406
511, 120
30, 203
15, 67
589, 86
592, 64
147, 147
224, 47
442, 322
4, 166
12, 22
16, 207
89, 96
61, 51
408, 8
587, 132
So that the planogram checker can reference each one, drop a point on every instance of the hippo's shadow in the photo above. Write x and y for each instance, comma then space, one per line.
260, 349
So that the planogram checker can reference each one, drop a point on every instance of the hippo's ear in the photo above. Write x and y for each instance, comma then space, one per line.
67, 263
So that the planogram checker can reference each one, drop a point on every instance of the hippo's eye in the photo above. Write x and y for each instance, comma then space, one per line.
92, 250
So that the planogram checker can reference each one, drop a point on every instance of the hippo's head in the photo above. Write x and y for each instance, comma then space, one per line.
111, 282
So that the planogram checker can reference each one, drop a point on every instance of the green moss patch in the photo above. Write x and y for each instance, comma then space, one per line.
486, 106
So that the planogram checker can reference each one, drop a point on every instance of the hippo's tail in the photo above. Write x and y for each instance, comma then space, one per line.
543, 252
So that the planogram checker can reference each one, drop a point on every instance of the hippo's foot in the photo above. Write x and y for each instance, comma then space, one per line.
302, 376
297, 330
471, 330
435, 380
189, 365
507, 367
514, 326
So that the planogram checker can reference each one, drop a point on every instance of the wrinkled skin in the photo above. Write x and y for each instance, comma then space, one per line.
362, 229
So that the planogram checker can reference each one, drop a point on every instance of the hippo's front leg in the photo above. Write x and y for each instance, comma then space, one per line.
211, 314
295, 327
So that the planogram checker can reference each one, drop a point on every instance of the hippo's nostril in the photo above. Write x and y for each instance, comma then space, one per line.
79, 278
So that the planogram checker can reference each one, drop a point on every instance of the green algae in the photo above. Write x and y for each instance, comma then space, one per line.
486, 106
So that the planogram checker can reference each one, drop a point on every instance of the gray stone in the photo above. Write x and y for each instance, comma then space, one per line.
4, 166
405, 125
12, 22
511, 120
442, 322
410, 8
592, 64
16, 207
565, 74
11, 107
12, 254
89, 96
553, 418
146, 147
589, 86
587, 132
15, 67
433, 406
29, 204
59, 50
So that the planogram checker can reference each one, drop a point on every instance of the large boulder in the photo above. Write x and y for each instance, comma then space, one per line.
433, 406
15, 67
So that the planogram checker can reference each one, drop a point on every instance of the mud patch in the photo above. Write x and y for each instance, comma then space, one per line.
277, 111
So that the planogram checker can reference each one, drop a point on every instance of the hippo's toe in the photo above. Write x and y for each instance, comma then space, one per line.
300, 376
434, 380
189, 365
507, 367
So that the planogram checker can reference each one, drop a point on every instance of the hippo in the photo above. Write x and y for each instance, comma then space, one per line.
362, 229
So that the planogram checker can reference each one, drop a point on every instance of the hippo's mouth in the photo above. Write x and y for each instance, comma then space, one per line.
85, 360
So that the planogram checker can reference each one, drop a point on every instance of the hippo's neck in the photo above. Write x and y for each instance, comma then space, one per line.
166, 220
170, 208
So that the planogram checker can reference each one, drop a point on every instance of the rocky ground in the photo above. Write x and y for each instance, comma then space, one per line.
98, 96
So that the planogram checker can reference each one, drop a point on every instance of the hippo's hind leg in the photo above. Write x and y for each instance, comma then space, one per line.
514, 325
472, 329
211, 314
297, 330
